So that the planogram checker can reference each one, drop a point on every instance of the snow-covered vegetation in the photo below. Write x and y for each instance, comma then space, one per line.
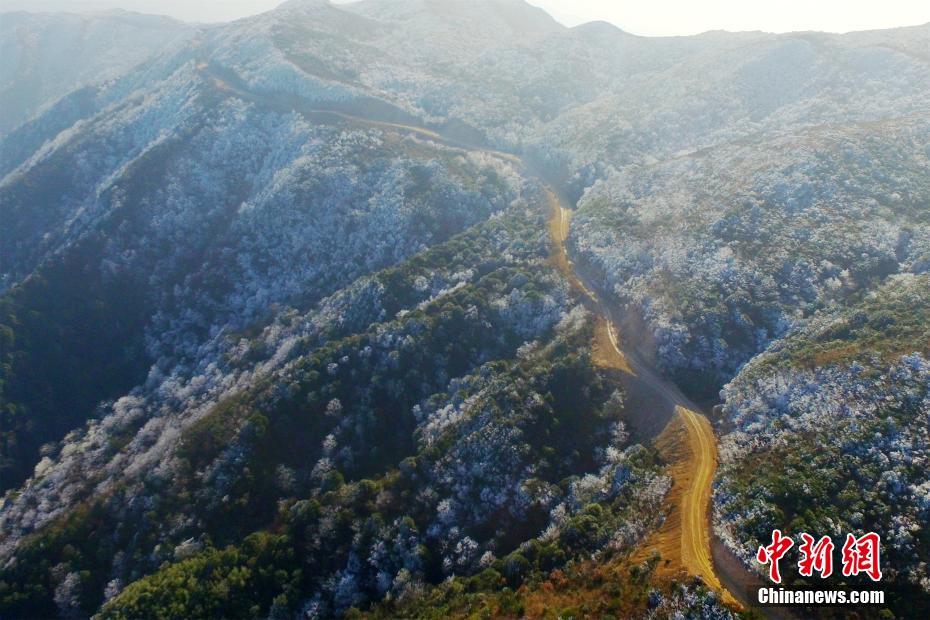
269, 350
430, 419
253, 211
829, 434
720, 252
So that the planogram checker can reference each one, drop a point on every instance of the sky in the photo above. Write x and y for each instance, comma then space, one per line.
648, 18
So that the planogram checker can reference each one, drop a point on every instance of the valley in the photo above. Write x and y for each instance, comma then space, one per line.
685, 539
683, 542
403, 308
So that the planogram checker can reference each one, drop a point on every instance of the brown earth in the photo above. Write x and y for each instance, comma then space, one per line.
687, 443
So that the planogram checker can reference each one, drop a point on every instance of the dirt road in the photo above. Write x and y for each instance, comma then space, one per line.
695, 537
688, 441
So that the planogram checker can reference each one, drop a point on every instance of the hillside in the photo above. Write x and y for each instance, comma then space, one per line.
828, 434
722, 250
285, 333
47, 56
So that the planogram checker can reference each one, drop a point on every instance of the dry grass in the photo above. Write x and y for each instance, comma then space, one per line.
689, 446
683, 541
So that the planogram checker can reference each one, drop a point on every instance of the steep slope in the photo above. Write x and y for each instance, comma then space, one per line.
237, 441
47, 56
276, 372
721, 250
216, 210
615, 579
828, 434
278, 321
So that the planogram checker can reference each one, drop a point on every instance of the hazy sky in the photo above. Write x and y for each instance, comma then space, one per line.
649, 17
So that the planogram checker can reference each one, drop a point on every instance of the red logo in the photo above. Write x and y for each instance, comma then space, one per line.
773, 553
860, 555
863, 555
816, 557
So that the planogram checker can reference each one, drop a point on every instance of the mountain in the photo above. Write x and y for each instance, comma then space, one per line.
285, 331
722, 250
842, 402
47, 56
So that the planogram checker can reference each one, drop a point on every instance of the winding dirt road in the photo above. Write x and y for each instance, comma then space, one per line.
688, 442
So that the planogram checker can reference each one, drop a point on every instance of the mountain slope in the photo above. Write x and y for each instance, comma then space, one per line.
47, 56
720, 251
828, 434
293, 202
278, 321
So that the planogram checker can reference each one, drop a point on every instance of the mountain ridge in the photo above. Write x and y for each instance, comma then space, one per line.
283, 291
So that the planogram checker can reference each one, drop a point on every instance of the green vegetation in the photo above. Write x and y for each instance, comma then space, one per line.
469, 353
235, 582
69, 338
833, 436
888, 322
349, 518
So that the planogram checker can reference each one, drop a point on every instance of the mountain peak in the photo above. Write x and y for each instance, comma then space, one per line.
299, 4
510, 21
601, 29
302, 6
600, 26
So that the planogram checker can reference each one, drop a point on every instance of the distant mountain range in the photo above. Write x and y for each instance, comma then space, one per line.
48, 56
281, 336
